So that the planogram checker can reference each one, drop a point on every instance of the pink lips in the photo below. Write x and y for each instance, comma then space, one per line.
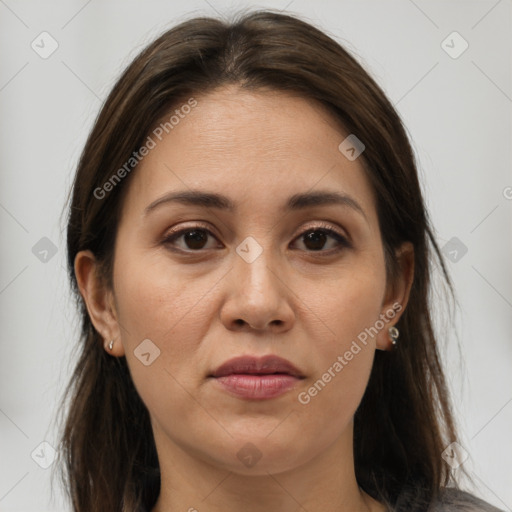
257, 378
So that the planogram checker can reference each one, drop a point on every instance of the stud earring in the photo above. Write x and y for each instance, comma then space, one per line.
111, 344
393, 334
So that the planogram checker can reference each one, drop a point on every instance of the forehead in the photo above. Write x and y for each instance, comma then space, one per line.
258, 147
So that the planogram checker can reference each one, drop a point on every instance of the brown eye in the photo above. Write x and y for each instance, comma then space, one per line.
193, 239
315, 240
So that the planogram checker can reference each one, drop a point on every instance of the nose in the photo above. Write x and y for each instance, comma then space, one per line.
257, 297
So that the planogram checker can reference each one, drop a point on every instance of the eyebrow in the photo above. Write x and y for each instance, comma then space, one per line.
294, 203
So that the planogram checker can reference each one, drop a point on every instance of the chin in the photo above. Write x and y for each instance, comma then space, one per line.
258, 455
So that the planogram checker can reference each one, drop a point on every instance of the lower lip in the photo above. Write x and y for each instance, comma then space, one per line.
258, 387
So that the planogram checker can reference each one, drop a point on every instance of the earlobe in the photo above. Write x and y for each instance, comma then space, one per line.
98, 300
397, 297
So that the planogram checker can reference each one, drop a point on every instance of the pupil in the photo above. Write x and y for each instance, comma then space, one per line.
317, 238
195, 239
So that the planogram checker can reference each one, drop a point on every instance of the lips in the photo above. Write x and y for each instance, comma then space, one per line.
257, 378
250, 365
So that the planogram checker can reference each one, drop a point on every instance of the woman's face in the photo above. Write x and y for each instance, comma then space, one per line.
246, 280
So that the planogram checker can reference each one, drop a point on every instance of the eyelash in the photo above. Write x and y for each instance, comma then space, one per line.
343, 243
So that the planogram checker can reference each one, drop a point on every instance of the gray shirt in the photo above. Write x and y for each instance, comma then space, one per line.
454, 500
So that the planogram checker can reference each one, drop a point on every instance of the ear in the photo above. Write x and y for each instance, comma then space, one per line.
397, 294
99, 301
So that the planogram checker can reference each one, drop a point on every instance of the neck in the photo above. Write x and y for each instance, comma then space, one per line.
325, 483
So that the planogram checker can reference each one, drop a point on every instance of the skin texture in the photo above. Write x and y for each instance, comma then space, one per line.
202, 308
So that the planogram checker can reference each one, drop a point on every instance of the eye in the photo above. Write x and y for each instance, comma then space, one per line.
194, 238
315, 239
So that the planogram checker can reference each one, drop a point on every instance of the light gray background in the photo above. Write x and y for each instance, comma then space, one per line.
458, 114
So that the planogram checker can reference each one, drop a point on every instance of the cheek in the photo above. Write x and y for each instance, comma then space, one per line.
351, 304
159, 303
157, 299
346, 349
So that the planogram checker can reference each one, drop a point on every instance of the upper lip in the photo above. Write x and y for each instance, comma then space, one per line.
257, 366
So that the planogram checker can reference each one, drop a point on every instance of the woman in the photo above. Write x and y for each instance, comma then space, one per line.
250, 253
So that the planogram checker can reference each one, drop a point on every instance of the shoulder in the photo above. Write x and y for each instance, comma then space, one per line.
455, 500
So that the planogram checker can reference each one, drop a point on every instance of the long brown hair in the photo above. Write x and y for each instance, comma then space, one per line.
404, 421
